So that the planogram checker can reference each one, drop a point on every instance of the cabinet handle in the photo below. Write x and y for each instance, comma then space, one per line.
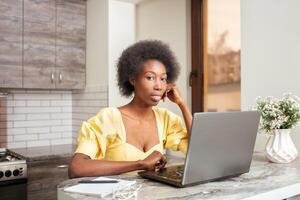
62, 166
60, 77
52, 77
3, 94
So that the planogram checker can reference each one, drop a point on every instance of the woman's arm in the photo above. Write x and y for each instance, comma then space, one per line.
174, 95
186, 115
82, 165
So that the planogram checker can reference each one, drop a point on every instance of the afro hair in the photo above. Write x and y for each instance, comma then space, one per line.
133, 58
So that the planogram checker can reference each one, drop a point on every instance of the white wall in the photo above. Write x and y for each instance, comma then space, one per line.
121, 35
169, 21
270, 62
110, 29
97, 43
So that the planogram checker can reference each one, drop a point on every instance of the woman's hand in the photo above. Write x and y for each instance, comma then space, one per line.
154, 162
173, 94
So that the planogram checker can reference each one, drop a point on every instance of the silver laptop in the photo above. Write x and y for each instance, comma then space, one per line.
221, 146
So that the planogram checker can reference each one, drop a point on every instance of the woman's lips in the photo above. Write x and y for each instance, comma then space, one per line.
156, 97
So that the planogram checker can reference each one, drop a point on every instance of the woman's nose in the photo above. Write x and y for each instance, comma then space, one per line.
158, 85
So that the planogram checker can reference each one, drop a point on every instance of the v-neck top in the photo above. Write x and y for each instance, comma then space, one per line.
104, 136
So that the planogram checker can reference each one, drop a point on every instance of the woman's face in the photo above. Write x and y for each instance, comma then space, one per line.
151, 83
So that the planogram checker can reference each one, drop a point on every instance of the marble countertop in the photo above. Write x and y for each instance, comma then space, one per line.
46, 152
264, 181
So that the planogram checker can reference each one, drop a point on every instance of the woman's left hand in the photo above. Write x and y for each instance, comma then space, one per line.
173, 94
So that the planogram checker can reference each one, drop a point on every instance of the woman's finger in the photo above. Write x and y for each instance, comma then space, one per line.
165, 95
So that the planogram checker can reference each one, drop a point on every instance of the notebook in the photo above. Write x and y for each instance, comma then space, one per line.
99, 190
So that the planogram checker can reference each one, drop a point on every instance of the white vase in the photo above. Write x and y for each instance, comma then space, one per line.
280, 147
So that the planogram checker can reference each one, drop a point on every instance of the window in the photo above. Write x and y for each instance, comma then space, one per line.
218, 34
222, 56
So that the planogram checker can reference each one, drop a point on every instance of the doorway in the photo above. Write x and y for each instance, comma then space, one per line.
215, 75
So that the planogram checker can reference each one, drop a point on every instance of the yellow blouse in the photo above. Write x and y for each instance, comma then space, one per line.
103, 136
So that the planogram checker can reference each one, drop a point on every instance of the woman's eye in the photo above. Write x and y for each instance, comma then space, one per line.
150, 78
164, 79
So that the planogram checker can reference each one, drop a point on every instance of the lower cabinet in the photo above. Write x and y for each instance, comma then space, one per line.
44, 176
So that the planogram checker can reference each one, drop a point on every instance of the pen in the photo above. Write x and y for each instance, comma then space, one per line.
100, 181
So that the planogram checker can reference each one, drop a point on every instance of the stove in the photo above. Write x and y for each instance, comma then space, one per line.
13, 166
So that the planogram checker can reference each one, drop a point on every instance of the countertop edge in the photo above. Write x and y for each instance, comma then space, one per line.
33, 154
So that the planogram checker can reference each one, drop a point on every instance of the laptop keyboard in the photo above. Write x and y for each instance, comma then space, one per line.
173, 172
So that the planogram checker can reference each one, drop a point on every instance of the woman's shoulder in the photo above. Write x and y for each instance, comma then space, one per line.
168, 118
107, 114
108, 119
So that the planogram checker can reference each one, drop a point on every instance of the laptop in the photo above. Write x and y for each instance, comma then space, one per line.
221, 146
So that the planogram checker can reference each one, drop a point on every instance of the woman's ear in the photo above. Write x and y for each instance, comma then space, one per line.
132, 81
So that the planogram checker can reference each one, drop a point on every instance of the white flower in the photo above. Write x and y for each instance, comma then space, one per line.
277, 113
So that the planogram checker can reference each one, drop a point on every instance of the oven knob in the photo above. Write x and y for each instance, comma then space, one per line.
16, 172
7, 173
1, 174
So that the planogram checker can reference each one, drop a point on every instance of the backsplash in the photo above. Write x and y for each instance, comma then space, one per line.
31, 118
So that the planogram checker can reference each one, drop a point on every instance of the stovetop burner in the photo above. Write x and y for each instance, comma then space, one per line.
6, 158
12, 166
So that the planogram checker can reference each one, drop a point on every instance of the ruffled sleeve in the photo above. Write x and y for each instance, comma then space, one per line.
176, 133
93, 134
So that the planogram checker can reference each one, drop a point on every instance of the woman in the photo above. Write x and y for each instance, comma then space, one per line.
133, 136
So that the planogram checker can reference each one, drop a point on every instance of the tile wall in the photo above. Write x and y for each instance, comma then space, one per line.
30, 118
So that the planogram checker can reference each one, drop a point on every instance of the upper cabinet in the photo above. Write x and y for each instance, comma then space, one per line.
11, 43
70, 43
39, 44
49, 50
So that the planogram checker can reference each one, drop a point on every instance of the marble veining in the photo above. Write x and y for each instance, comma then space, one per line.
263, 177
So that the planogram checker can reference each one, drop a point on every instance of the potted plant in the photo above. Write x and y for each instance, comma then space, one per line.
278, 117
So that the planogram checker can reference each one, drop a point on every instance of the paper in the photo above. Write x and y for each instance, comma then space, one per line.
99, 189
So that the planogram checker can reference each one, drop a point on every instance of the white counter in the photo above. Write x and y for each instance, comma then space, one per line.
267, 181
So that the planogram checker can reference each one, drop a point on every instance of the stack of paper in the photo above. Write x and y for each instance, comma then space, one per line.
102, 189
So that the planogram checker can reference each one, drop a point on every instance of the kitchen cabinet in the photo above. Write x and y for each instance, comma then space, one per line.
43, 44
39, 44
11, 43
54, 44
44, 176
70, 43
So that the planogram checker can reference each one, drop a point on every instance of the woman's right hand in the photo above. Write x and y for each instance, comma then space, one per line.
154, 162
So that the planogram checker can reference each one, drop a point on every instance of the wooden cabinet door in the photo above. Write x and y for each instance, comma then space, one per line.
39, 44
11, 43
70, 44
44, 176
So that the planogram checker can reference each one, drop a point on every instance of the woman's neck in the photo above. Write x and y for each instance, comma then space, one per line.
137, 110
139, 107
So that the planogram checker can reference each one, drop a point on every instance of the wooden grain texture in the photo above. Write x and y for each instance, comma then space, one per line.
41, 40
71, 44
39, 43
10, 43
44, 176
